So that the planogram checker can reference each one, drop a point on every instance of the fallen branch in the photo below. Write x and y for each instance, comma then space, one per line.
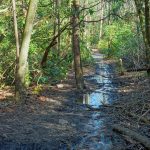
136, 136
144, 119
141, 118
136, 70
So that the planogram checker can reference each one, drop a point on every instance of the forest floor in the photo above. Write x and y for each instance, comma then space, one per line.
53, 118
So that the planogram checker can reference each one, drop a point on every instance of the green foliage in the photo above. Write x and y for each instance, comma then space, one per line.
91, 11
7, 49
119, 39
116, 41
94, 39
37, 89
85, 53
122, 40
43, 31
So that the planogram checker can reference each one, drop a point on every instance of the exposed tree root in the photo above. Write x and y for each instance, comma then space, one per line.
136, 136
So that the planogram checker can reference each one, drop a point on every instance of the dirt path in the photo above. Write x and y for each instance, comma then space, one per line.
59, 119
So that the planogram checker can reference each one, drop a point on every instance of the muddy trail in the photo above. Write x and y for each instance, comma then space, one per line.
65, 119
99, 133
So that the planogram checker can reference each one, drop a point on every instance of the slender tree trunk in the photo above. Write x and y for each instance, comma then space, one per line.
109, 21
23, 57
17, 39
76, 46
58, 2
16, 29
101, 16
57, 25
86, 30
147, 31
82, 25
147, 21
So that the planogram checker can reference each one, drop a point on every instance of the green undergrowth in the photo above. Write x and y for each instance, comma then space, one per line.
121, 40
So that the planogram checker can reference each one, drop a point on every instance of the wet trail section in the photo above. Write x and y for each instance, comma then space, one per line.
99, 134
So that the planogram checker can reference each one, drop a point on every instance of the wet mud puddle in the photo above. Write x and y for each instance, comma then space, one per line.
98, 136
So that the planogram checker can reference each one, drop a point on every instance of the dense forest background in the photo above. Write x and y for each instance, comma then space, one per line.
64, 30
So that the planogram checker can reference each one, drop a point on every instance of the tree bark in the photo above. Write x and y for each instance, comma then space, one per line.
16, 29
147, 21
23, 57
101, 16
76, 46
17, 40
147, 31
58, 23
144, 27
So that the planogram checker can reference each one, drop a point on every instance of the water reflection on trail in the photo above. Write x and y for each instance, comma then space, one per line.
97, 135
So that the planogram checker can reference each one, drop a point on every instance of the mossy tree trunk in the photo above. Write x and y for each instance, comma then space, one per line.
23, 57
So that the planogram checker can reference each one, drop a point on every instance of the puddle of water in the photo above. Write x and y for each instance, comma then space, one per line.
98, 57
100, 96
95, 99
100, 79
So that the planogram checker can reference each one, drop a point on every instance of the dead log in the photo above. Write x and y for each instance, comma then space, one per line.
136, 136
136, 70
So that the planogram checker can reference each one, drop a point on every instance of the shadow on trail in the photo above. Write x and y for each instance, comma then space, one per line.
59, 122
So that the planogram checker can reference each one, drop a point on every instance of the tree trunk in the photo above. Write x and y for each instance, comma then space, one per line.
101, 16
76, 46
23, 63
147, 21
144, 27
17, 40
58, 24
147, 31
16, 29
